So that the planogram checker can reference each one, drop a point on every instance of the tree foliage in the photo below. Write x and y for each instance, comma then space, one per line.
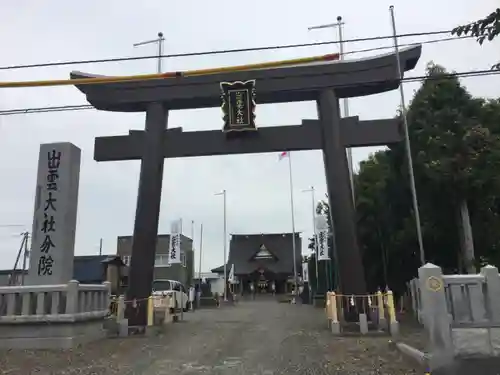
455, 144
487, 28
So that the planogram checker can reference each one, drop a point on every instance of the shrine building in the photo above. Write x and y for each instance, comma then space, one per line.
263, 260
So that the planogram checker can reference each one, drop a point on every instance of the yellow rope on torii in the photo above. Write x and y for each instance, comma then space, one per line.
169, 75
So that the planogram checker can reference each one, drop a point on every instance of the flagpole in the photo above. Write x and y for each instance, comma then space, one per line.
199, 265
294, 250
407, 141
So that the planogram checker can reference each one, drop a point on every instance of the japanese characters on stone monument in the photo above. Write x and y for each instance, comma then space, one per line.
238, 106
54, 220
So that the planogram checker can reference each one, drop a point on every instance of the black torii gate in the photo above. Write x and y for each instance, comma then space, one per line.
324, 82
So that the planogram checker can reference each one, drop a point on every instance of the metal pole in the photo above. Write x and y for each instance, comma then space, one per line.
100, 246
160, 41
345, 101
225, 247
407, 141
199, 266
346, 109
294, 250
25, 255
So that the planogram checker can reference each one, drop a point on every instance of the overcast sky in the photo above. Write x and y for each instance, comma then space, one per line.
33, 31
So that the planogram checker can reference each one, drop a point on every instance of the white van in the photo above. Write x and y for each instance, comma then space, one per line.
163, 287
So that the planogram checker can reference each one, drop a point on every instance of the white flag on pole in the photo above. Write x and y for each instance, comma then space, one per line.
322, 237
174, 254
231, 274
305, 272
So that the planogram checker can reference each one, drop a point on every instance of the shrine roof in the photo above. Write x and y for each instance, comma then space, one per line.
289, 83
244, 247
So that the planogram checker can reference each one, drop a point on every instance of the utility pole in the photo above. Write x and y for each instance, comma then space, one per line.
158, 40
223, 193
407, 141
199, 266
25, 254
339, 25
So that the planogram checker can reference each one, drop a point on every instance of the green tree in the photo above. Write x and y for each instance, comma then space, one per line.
486, 28
454, 152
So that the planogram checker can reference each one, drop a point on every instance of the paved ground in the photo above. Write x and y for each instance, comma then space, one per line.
252, 338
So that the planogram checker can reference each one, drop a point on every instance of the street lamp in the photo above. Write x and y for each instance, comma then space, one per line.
223, 193
315, 237
158, 40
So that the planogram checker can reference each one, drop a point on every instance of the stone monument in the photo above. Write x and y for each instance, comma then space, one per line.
54, 219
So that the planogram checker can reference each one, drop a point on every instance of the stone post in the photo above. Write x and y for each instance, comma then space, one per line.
381, 313
72, 297
492, 294
492, 297
105, 297
334, 324
55, 213
435, 316
393, 322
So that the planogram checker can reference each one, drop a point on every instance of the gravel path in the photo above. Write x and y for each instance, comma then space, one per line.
252, 338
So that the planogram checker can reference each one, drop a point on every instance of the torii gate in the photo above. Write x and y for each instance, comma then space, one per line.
323, 82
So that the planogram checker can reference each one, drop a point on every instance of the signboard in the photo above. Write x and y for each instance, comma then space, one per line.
238, 106
54, 221
174, 252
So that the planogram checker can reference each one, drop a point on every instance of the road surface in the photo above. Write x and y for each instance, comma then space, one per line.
261, 337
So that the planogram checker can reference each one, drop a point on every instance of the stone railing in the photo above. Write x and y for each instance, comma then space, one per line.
472, 301
460, 313
54, 303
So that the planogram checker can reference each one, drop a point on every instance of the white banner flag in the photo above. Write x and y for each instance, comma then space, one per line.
305, 272
231, 275
174, 254
323, 245
320, 223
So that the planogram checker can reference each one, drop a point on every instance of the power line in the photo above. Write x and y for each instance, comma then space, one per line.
173, 75
219, 52
168, 75
65, 108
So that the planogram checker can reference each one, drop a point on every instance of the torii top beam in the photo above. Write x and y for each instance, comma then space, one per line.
349, 78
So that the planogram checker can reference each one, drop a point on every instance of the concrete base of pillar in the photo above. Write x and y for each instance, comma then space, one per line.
394, 329
363, 324
335, 328
382, 324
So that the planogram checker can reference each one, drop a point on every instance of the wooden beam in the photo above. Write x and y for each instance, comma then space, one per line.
180, 144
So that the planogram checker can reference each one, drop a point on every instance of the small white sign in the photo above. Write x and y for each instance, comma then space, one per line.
174, 253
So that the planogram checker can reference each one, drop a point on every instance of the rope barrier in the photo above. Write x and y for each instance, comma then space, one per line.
169, 75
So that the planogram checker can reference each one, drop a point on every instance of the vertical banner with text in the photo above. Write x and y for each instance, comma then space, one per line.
174, 253
54, 220
322, 232
305, 272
